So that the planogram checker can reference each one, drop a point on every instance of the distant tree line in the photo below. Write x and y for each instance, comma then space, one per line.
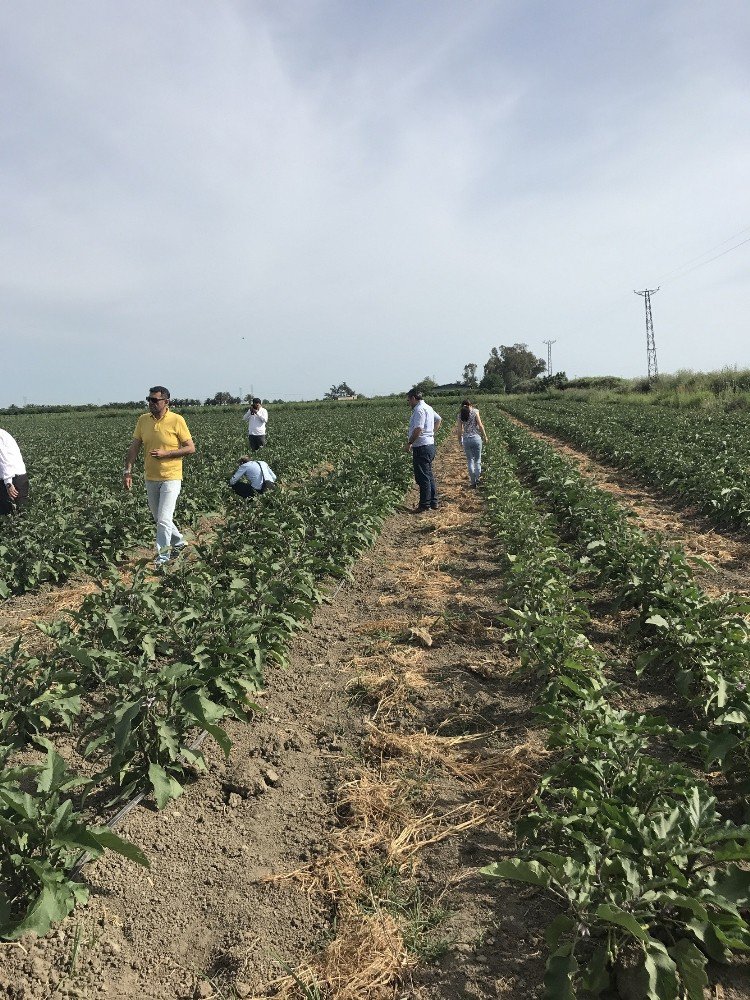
511, 368
341, 391
219, 399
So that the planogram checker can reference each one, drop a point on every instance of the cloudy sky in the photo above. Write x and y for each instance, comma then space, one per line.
282, 195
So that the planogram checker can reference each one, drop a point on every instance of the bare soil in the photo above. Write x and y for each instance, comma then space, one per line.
342, 842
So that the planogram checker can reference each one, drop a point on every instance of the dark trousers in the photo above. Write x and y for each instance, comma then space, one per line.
422, 457
8, 506
244, 489
256, 441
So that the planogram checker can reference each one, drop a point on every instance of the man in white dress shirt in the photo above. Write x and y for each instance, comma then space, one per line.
14, 483
257, 419
423, 426
252, 477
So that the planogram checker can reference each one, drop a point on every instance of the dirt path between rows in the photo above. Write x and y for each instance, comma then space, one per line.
393, 753
727, 551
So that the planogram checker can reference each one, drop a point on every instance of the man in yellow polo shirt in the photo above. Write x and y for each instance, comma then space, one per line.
166, 439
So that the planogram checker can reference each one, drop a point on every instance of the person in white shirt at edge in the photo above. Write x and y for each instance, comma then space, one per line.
421, 442
14, 483
256, 419
252, 477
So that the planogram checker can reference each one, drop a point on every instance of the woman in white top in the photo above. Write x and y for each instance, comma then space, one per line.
471, 433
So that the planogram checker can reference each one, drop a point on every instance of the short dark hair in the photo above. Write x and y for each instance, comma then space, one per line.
160, 388
256, 400
414, 393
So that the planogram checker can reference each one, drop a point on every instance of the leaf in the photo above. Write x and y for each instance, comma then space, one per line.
735, 886
614, 915
737, 716
562, 924
558, 976
530, 872
644, 660
111, 841
201, 708
54, 902
122, 719
691, 965
661, 971
658, 621
165, 786
596, 977
221, 738
53, 773
735, 852
718, 746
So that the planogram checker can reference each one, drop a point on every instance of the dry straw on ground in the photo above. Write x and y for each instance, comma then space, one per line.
403, 797
365, 961
20, 615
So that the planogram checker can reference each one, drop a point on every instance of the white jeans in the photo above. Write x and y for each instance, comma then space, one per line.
162, 500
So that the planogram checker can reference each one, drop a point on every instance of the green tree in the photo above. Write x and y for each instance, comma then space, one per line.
222, 399
493, 382
425, 384
339, 391
469, 377
513, 364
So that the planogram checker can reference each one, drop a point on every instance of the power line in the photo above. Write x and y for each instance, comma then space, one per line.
676, 271
722, 254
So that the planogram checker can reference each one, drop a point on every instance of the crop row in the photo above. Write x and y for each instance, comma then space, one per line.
632, 848
146, 663
698, 458
704, 642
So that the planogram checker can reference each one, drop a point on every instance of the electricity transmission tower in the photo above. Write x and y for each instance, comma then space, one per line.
653, 368
549, 344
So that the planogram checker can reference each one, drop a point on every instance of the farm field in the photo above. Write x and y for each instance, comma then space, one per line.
147, 662
83, 520
698, 458
427, 803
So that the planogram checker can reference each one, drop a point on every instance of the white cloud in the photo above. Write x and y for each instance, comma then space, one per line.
368, 192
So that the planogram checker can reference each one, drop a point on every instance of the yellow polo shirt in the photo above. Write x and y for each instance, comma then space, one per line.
170, 432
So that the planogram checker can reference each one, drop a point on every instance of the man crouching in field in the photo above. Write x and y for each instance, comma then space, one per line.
166, 440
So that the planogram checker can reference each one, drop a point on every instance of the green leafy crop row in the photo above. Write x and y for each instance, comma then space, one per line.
632, 848
701, 459
703, 641
149, 661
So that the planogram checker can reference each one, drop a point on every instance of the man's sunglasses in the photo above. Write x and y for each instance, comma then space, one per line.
155, 399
